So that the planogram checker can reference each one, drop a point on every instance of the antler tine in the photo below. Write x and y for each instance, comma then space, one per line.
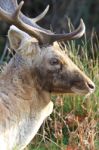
16, 20
42, 15
17, 12
11, 17
70, 36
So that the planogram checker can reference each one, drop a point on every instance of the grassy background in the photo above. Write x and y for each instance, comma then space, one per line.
74, 123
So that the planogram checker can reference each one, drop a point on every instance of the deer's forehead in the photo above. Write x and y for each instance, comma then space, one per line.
51, 52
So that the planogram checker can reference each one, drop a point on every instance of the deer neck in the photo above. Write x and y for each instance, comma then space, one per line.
28, 103
23, 83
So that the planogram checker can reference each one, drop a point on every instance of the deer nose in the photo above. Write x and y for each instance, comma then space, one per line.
91, 86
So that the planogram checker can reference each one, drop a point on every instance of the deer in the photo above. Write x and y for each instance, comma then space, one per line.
38, 69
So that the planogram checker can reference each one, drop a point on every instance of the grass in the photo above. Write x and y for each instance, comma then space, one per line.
74, 123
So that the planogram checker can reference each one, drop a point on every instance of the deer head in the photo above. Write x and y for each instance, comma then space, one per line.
54, 70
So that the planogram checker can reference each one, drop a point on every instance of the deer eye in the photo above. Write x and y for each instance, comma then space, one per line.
54, 61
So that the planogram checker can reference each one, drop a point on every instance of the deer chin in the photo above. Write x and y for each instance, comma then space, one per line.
81, 92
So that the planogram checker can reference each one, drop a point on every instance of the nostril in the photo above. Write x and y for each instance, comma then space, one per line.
91, 86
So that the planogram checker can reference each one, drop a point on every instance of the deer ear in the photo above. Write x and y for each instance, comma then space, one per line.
22, 43
15, 37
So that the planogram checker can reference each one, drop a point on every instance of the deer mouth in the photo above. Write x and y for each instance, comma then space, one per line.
83, 87
78, 91
81, 91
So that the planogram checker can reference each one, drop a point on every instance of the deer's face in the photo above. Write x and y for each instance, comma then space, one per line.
54, 71
57, 73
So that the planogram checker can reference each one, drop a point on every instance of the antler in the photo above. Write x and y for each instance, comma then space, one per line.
28, 25
14, 18
42, 15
